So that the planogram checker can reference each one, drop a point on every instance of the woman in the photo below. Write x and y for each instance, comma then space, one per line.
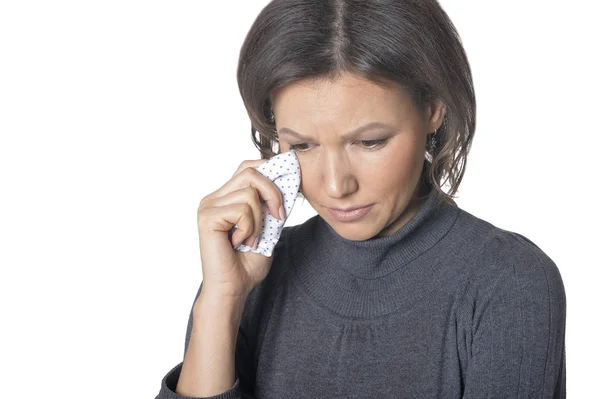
408, 297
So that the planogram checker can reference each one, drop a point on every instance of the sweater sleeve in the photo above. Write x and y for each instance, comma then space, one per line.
517, 307
243, 363
169, 383
255, 317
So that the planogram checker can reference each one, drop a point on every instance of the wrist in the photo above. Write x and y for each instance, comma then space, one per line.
219, 308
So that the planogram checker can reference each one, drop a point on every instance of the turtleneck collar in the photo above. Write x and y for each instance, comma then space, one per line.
356, 278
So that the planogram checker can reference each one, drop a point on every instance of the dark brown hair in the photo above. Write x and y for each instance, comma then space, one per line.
411, 43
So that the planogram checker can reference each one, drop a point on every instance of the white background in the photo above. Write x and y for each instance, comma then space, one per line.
117, 117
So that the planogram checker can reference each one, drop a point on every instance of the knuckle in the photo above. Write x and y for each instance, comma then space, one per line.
244, 165
247, 209
249, 191
205, 200
249, 171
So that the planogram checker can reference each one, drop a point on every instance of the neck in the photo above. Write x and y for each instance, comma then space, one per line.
331, 266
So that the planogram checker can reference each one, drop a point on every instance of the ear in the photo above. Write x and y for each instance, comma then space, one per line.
434, 114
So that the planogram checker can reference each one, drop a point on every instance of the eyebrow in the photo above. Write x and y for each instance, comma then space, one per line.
348, 136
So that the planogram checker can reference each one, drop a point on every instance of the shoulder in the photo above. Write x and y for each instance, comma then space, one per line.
495, 251
505, 264
495, 264
510, 256
512, 311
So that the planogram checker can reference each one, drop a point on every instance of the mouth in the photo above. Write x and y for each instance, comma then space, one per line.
350, 214
349, 209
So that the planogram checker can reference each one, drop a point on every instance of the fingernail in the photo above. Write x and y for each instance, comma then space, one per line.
255, 243
282, 212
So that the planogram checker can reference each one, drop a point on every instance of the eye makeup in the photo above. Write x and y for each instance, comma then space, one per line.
368, 145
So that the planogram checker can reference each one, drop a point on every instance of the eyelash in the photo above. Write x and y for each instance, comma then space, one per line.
378, 144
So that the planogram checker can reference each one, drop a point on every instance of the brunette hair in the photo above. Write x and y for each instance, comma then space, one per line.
411, 43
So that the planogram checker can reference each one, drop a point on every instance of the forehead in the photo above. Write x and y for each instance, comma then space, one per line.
349, 97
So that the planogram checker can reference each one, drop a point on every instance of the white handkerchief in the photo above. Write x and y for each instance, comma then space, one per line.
283, 170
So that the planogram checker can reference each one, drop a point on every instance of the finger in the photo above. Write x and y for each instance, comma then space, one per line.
249, 196
251, 163
222, 219
250, 177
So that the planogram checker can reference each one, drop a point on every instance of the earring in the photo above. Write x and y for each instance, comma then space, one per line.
431, 144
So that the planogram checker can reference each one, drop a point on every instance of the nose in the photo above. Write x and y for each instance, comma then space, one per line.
338, 178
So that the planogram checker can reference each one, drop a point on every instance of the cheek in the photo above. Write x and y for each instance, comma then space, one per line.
386, 180
306, 175
390, 171
393, 164
395, 172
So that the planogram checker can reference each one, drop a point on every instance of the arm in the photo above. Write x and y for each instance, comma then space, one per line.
518, 326
209, 363
210, 348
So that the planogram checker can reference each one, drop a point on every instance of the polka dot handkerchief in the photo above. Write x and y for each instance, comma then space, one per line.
283, 170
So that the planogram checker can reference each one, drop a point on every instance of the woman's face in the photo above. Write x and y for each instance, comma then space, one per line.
380, 165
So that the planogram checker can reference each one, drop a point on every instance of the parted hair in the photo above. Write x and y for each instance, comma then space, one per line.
408, 43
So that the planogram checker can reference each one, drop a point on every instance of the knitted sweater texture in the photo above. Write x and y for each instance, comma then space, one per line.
449, 306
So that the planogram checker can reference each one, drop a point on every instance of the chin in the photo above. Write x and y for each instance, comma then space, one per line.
357, 232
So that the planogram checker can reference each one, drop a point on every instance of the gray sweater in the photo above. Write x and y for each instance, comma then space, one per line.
449, 306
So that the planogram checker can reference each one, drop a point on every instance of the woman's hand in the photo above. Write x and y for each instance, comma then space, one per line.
228, 273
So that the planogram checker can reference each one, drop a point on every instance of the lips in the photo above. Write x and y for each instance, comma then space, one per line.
349, 209
351, 215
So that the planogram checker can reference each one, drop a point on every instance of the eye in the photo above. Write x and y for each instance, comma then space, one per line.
296, 147
368, 144
373, 144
